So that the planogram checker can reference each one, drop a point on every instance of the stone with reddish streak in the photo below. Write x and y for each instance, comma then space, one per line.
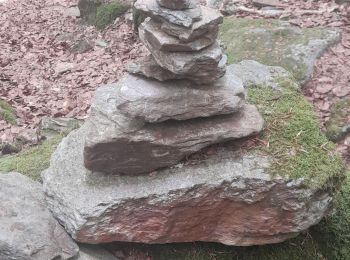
229, 198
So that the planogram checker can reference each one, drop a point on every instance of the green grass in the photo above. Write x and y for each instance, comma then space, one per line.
32, 161
293, 137
7, 113
107, 13
333, 233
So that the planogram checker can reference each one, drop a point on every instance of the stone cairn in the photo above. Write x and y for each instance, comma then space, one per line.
120, 176
177, 100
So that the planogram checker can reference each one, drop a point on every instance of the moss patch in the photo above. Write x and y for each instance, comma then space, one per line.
107, 13
293, 137
339, 123
32, 161
7, 113
333, 233
274, 43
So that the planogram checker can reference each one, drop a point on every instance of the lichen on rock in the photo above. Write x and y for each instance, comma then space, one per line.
276, 43
338, 126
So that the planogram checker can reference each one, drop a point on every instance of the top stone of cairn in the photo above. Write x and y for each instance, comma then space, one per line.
178, 4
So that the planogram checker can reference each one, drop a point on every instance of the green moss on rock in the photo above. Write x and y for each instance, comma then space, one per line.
32, 161
101, 13
107, 13
339, 123
293, 136
276, 43
7, 113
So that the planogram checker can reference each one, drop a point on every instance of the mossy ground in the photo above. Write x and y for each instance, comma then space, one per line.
293, 137
7, 113
107, 13
32, 161
340, 117
268, 42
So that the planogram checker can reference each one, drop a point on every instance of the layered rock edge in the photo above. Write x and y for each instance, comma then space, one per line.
229, 198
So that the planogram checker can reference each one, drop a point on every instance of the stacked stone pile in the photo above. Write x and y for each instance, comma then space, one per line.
176, 101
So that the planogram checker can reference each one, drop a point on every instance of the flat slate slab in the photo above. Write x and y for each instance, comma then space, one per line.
165, 42
184, 18
118, 144
227, 197
154, 101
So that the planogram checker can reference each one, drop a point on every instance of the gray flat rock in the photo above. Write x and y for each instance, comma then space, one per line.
227, 197
211, 18
155, 101
118, 144
203, 67
164, 42
184, 18
178, 4
28, 231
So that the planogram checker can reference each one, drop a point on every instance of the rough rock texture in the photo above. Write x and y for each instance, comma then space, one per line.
149, 68
27, 228
184, 18
155, 101
164, 42
117, 144
227, 198
177, 4
92, 252
253, 73
203, 67
276, 43
211, 18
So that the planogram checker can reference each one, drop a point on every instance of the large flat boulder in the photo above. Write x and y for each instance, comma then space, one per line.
276, 43
227, 197
118, 144
184, 18
27, 228
154, 101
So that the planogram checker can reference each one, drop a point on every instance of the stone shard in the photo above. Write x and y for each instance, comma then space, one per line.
209, 23
178, 4
203, 67
164, 42
149, 68
184, 18
229, 197
27, 228
154, 101
117, 144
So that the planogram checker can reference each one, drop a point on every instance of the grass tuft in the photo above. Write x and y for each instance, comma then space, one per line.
32, 161
7, 113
